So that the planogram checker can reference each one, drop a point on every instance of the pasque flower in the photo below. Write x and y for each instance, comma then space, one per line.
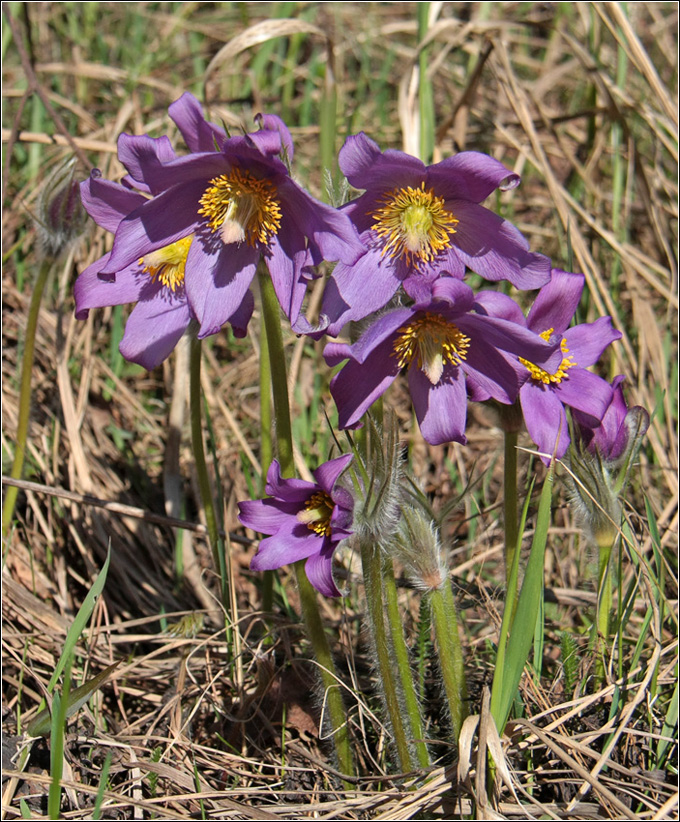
306, 520
546, 392
154, 281
234, 196
447, 349
418, 222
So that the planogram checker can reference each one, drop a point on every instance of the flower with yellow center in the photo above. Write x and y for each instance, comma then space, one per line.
430, 341
317, 513
414, 223
242, 208
539, 374
166, 265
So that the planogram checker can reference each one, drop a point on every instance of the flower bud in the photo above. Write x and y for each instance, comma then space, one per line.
418, 549
61, 217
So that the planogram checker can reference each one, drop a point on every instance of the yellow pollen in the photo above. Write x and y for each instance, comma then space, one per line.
317, 513
242, 208
431, 342
539, 374
414, 223
166, 265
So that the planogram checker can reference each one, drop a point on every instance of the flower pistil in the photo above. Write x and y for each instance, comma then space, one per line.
540, 375
241, 207
431, 341
415, 224
317, 512
166, 265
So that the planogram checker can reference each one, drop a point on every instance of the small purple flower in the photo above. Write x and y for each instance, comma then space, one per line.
155, 281
620, 426
418, 222
545, 393
306, 520
444, 345
235, 197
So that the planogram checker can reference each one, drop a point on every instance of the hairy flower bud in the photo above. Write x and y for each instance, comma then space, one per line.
61, 217
418, 549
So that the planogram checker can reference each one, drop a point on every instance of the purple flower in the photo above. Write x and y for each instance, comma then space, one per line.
155, 281
620, 426
418, 222
306, 520
446, 347
546, 392
235, 197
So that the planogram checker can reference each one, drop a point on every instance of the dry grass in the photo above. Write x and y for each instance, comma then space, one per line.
199, 727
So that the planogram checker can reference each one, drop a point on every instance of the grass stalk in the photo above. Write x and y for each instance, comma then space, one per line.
511, 535
25, 394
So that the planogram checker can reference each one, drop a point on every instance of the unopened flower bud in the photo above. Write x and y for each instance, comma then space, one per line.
418, 549
61, 216
593, 496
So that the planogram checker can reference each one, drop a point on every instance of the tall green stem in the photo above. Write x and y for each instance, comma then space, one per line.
371, 564
450, 654
510, 501
195, 400
403, 662
604, 607
284, 442
25, 394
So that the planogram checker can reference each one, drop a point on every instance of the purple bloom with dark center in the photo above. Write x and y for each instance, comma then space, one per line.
418, 222
546, 391
620, 424
306, 520
445, 346
155, 281
235, 197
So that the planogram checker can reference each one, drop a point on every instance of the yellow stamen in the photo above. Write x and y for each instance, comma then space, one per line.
167, 264
431, 341
539, 374
317, 513
242, 208
415, 224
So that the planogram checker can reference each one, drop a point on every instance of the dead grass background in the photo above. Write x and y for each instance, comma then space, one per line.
193, 733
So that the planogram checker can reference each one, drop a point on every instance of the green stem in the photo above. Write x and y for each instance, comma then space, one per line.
25, 394
266, 452
510, 501
604, 607
195, 399
450, 654
271, 314
402, 659
371, 564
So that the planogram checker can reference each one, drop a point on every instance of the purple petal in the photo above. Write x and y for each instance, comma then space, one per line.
497, 304
508, 336
286, 272
544, 416
288, 490
141, 155
267, 516
492, 373
469, 175
376, 334
327, 474
153, 329
241, 317
585, 391
319, 570
292, 542
441, 409
199, 135
92, 291
365, 166
217, 282
556, 302
270, 122
494, 248
108, 202
587, 341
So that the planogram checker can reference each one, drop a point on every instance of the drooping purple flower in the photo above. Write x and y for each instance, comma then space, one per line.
444, 345
235, 197
306, 520
620, 425
418, 222
155, 281
546, 392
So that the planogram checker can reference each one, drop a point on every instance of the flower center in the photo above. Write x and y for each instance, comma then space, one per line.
241, 207
414, 223
431, 341
166, 265
317, 513
540, 375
